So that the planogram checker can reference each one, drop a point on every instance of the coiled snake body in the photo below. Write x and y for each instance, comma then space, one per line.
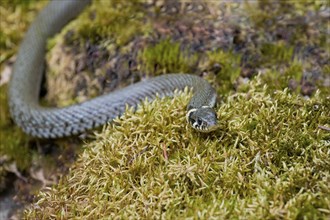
46, 122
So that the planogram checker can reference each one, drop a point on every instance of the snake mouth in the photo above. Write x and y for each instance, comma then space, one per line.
204, 129
204, 121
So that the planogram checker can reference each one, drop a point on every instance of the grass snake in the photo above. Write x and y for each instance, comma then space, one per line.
47, 122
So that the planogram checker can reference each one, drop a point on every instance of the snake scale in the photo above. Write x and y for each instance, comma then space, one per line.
46, 122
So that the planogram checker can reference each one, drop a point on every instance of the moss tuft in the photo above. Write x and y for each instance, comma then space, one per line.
166, 57
151, 165
279, 80
227, 69
112, 20
278, 53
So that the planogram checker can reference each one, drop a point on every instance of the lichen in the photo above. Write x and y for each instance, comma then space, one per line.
268, 159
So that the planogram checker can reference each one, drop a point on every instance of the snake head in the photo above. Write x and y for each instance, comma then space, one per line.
203, 119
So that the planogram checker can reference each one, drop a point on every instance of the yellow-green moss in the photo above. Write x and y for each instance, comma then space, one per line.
15, 18
268, 160
304, 6
166, 57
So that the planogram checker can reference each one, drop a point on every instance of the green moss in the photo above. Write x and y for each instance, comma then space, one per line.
326, 70
294, 71
256, 15
278, 53
268, 160
305, 5
112, 21
166, 57
228, 69
13, 142
321, 84
15, 18
15, 3
280, 80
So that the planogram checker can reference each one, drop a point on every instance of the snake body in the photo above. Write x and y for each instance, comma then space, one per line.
45, 122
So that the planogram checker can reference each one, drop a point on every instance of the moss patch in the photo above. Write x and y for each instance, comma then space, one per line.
150, 165
279, 80
276, 53
226, 69
166, 57
116, 21
15, 17
289, 36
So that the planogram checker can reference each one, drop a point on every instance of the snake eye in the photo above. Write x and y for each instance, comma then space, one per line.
199, 121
